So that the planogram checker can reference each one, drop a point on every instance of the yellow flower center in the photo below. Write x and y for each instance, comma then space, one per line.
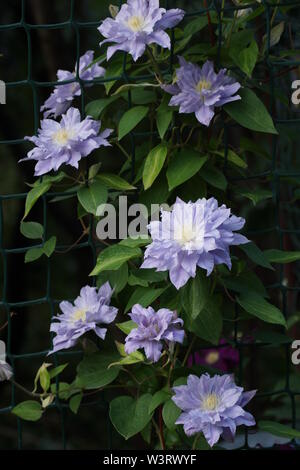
210, 402
188, 234
79, 314
212, 357
136, 23
61, 137
203, 85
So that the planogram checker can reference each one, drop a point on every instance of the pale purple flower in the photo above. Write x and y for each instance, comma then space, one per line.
193, 234
153, 329
62, 96
138, 24
6, 371
89, 310
212, 405
65, 142
199, 90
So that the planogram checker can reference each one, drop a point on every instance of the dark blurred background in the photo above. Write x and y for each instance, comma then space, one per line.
38, 60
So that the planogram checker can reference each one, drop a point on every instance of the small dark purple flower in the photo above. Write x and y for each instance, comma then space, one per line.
212, 405
193, 234
225, 358
138, 24
90, 309
199, 90
61, 98
153, 328
65, 142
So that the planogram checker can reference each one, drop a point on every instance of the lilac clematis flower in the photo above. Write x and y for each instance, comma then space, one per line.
138, 24
212, 405
90, 309
225, 358
152, 329
192, 235
65, 142
61, 98
199, 90
6, 371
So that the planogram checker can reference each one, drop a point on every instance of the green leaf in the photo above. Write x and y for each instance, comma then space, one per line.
114, 70
93, 170
153, 164
112, 258
208, 324
33, 254
195, 25
163, 118
195, 294
136, 281
275, 35
134, 87
117, 279
95, 108
257, 195
143, 296
250, 112
183, 165
256, 255
131, 119
158, 399
52, 179
149, 275
135, 242
64, 390
57, 370
244, 282
44, 379
74, 403
91, 197
34, 194
259, 307
93, 371
282, 257
247, 58
214, 177
278, 429
239, 40
127, 326
28, 410
232, 157
133, 358
49, 246
271, 337
32, 230
130, 416
114, 182
170, 414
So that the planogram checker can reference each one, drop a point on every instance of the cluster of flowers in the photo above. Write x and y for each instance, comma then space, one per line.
192, 235
138, 24
73, 138
212, 405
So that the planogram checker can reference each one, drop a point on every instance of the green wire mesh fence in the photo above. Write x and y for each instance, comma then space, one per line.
280, 176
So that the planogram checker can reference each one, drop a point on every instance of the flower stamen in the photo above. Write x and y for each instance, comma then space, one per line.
203, 85
136, 23
210, 402
61, 137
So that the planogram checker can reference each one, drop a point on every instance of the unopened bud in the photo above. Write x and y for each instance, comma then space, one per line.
113, 10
